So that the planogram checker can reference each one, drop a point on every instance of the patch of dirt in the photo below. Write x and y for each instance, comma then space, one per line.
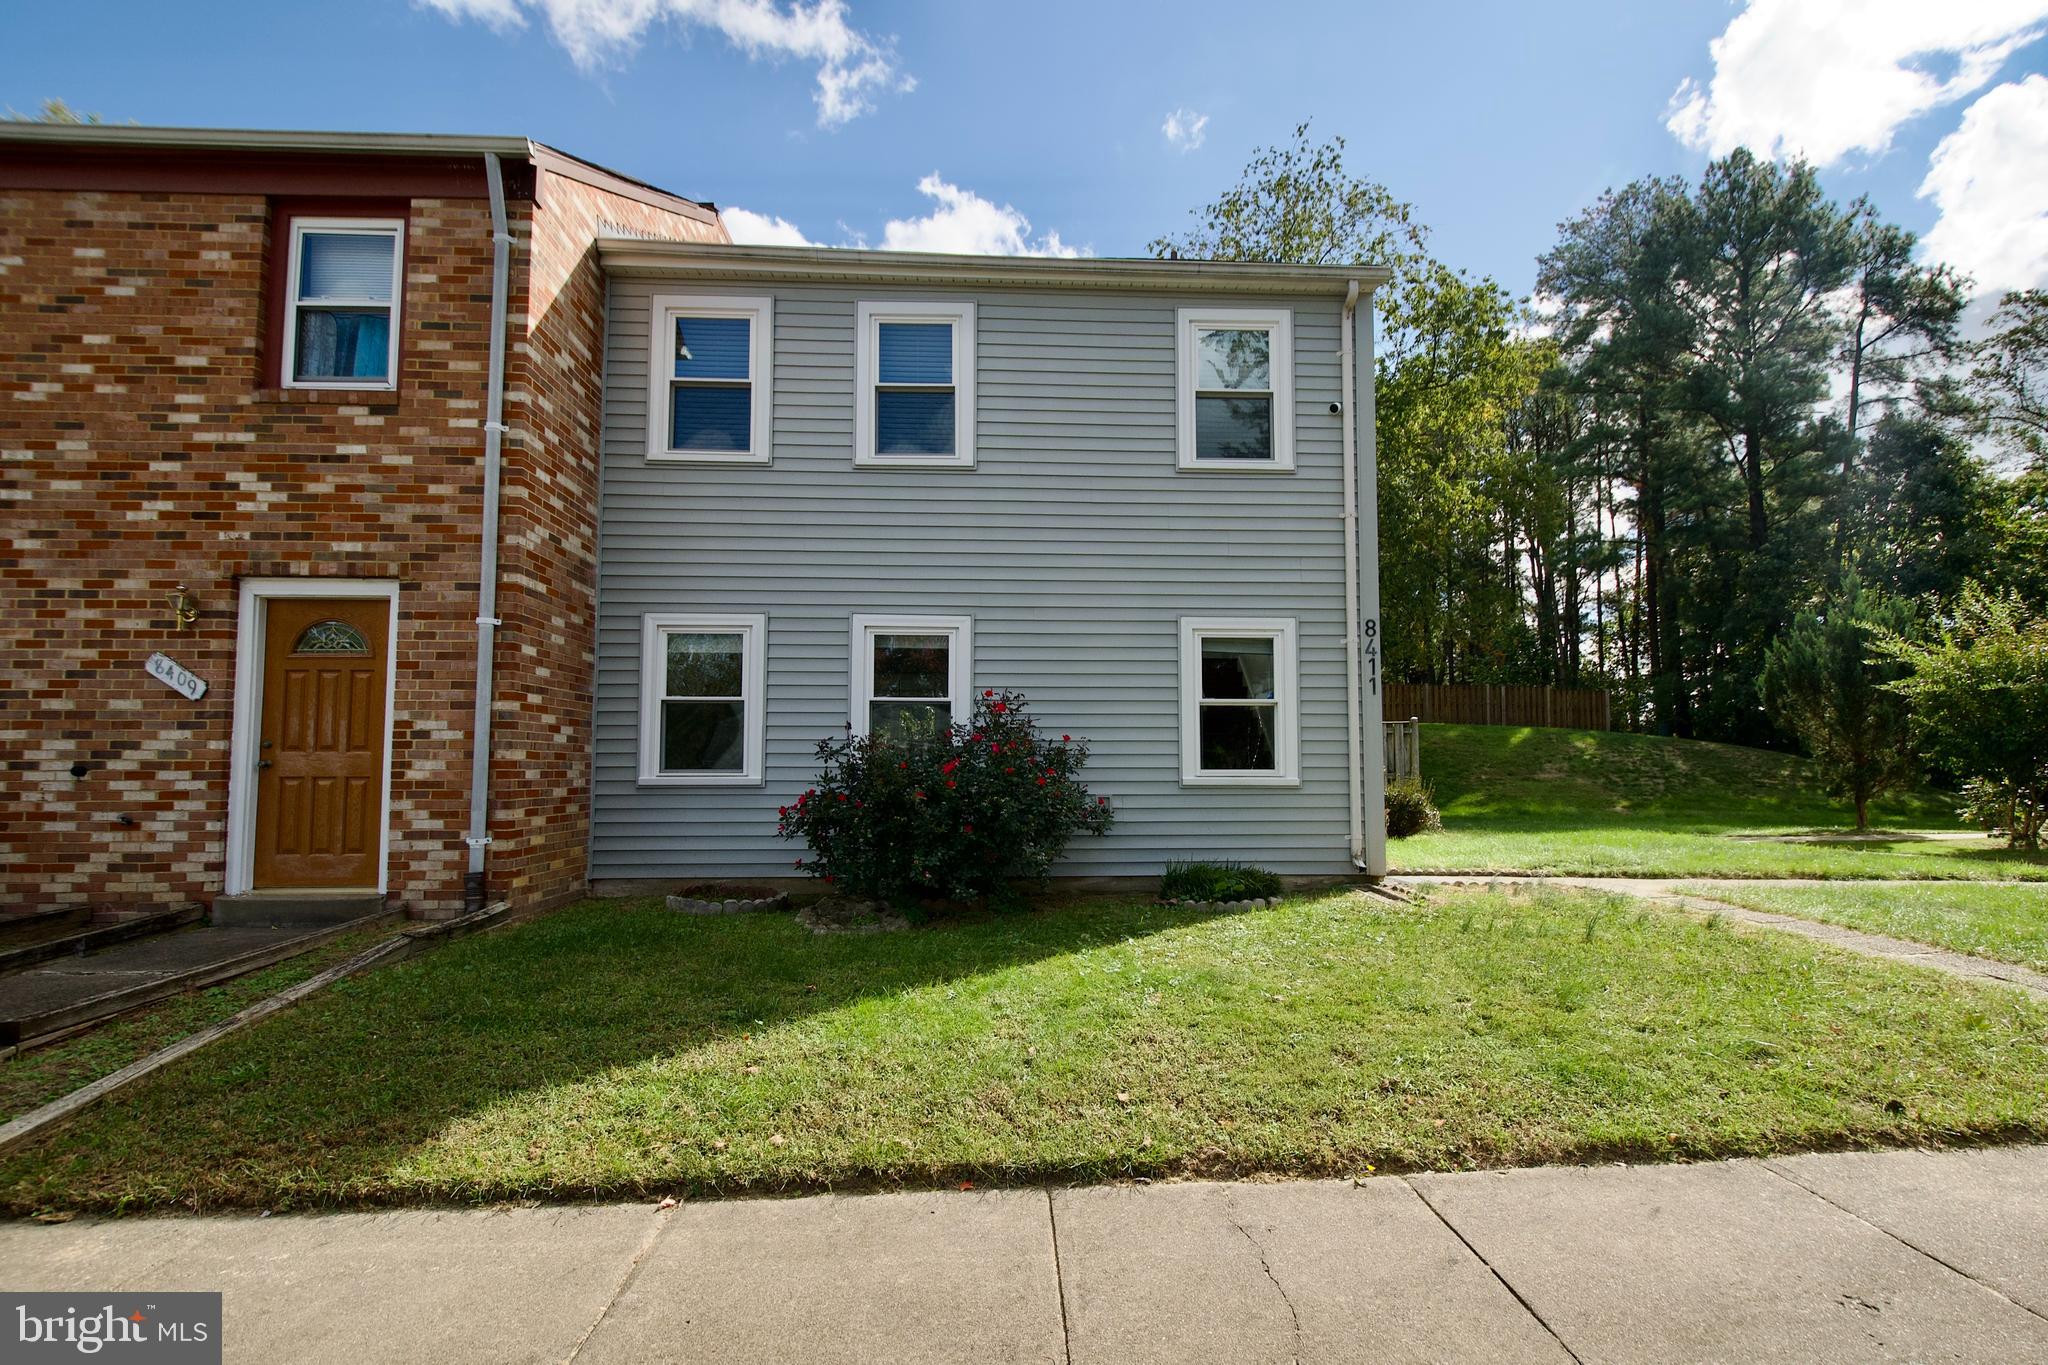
845, 915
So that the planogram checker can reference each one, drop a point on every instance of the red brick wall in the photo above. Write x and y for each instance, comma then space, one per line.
547, 593
141, 446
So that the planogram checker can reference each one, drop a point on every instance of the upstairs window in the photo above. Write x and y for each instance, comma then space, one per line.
341, 303
1235, 395
914, 399
911, 675
1239, 706
709, 366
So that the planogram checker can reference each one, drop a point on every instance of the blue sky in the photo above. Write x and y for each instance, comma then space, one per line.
1495, 119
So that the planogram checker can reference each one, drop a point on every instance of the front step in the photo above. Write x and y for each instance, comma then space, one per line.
60, 997
76, 937
273, 908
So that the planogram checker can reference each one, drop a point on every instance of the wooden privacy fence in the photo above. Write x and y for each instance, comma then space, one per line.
1573, 708
1404, 749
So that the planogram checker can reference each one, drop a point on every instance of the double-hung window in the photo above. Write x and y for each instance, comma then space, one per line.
709, 396
1239, 703
1235, 391
701, 705
343, 285
912, 675
914, 390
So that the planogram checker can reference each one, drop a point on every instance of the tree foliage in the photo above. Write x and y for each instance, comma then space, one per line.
1823, 682
1297, 204
2011, 374
1726, 394
1980, 704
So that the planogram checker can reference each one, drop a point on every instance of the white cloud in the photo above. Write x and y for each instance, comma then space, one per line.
1824, 78
1185, 129
852, 67
1986, 179
762, 229
963, 221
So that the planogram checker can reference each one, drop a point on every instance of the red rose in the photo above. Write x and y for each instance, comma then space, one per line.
1009, 770
1041, 782
999, 708
988, 692
783, 811
949, 765
1066, 739
967, 829
799, 862
1101, 800
842, 796
977, 736
918, 795
951, 783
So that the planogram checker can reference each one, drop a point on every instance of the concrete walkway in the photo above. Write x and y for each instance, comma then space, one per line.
1666, 891
1888, 1256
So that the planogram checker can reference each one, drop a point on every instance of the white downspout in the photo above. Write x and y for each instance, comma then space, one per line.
479, 836
1354, 731
1366, 740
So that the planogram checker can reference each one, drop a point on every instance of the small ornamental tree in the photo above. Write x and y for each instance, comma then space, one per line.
1822, 682
953, 814
1980, 707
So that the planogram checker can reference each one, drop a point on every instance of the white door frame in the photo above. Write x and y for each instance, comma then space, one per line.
251, 621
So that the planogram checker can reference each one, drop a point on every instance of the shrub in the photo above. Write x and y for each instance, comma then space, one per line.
1411, 808
952, 813
1980, 704
1217, 882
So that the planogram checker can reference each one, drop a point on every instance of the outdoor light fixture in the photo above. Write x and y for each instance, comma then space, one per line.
183, 609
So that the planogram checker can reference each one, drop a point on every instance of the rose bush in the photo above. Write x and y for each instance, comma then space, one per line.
953, 814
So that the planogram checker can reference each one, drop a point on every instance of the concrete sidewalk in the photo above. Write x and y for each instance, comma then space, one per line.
1892, 1256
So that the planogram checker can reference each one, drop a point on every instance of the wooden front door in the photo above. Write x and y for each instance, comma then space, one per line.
320, 755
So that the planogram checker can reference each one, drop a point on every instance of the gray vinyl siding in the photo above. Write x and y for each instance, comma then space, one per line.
1074, 543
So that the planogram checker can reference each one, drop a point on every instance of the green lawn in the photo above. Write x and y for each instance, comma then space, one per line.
618, 1049
1589, 803
2009, 923
46, 1073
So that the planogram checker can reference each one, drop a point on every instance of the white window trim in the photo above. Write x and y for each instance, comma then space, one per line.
760, 310
654, 690
252, 623
1280, 323
959, 670
868, 318
362, 227
1286, 693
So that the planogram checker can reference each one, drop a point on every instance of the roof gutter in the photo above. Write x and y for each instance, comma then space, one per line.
707, 260
479, 836
260, 140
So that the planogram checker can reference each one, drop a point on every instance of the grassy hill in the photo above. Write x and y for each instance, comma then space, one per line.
1587, 802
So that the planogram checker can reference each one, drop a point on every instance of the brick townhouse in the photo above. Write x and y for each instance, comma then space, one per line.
247, 387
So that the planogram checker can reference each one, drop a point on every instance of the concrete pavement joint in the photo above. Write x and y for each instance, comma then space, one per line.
1501, 1279
1786, 1176
662, 1219
1059, 1277
1230, 1211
